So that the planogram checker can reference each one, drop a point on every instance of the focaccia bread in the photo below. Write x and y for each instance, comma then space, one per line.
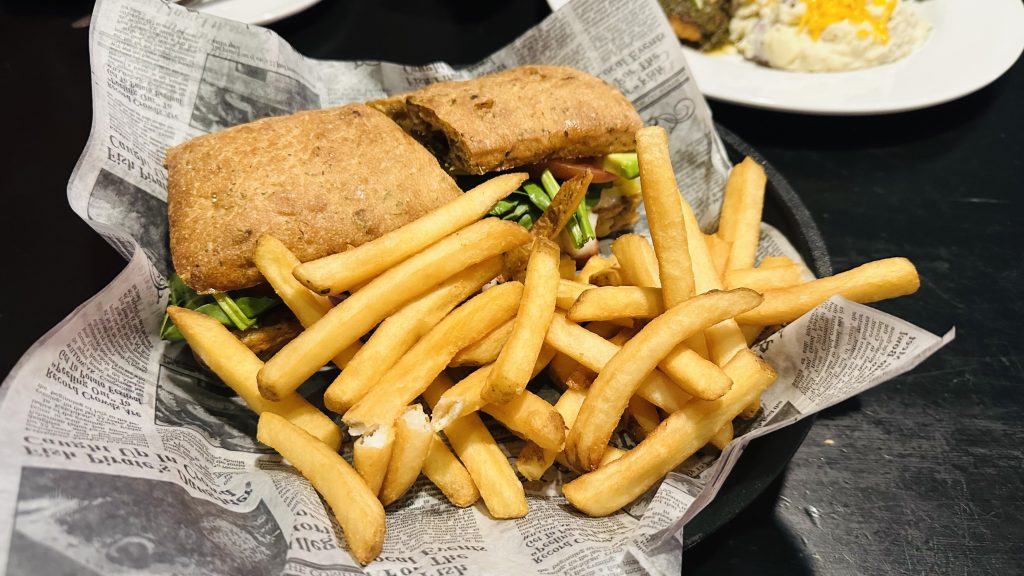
517, 117
321, 181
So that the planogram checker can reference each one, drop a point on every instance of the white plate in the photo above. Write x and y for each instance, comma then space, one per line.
972, 43
254, 11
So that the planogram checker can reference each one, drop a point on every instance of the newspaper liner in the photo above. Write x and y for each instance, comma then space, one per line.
122, 456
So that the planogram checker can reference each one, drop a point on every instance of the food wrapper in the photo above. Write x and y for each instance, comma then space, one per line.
124, 456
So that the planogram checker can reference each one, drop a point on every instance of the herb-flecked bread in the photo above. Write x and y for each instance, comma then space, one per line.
321, 181
517, 117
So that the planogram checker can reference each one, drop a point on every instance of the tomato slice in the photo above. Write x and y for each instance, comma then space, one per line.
566, 169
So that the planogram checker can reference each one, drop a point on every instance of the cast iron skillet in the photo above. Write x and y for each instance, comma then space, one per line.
767, 456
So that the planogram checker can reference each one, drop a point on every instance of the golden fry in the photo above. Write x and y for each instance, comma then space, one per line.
637, 262
871, 282
413, 436
357, 509
276, 262
724, 339
722, 438
569, 373
594, 352
485, 350
533, 460
664, 217
562, 207
346, 322
744, 176
499, 487
747, 180
623, 374
644, 415
750, 332
594, 265
612, 302
532, 418
466, 397
566, 267
446, 472
719, 250
613, 486
773, 261
337, 273
763, 279
514, 365
371, 454
427, 358
237, 367
569, 291
399, 332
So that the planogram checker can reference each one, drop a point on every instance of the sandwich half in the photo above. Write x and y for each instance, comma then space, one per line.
550, 119
320, 181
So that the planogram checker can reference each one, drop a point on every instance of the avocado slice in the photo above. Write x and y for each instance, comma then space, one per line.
622, 164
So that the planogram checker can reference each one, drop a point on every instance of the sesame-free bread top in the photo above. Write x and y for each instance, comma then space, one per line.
321, 181
517, 117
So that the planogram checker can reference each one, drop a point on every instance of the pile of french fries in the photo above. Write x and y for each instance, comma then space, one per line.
654, 338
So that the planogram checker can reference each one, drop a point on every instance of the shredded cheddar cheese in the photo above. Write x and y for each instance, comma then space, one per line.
821, 14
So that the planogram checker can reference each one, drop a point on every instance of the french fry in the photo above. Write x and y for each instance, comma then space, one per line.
485, 350
276, 262
644, 415
623, 374
513, 367
613, 302
399, 332
695, 374
719, 250
750, 332
594, 352
346, 322
337, 273
562, 207
871, 282
466, 397
724, 339
427, 358
637, 262
773, 261
569, 373
551, 223
446, 472
413, 436
569, 291
763, 279
688, 369
722, 438
740, 221
237, 367
594, 265
534, 460
751, 409
664, 217
745, 176
618, 483
607, 277
494, 477
566, 267
532, 418
357, 509
607, 329
371, 454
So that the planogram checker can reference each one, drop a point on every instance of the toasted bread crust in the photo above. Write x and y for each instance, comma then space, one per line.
321, 181
517, 117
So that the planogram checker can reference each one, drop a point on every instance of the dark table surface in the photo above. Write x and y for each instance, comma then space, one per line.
923, 475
